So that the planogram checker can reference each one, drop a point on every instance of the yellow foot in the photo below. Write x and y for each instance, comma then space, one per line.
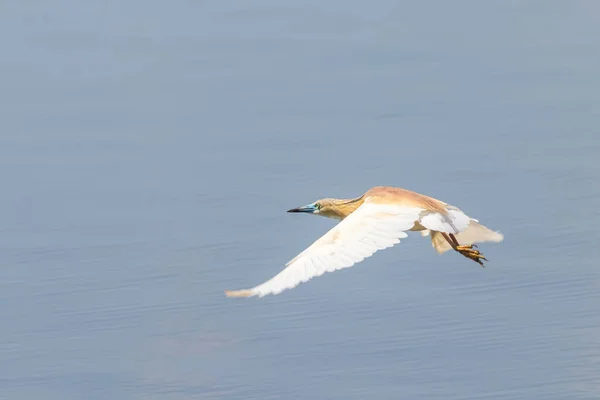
466, 247
474, 255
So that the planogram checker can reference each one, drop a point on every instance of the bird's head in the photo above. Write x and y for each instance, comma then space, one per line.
312, 208
330, 208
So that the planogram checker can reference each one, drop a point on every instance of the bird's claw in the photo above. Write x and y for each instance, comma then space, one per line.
474, 255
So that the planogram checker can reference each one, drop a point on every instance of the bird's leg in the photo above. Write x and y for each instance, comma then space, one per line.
466, 250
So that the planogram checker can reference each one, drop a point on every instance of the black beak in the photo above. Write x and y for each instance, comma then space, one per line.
311, 208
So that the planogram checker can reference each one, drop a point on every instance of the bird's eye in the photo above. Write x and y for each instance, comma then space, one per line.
317, 206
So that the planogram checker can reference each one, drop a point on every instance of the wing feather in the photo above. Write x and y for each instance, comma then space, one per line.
454, 221
370, 228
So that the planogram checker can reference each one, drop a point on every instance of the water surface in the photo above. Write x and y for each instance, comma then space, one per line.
149, 151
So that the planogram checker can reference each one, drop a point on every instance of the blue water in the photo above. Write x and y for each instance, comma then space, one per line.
149, 150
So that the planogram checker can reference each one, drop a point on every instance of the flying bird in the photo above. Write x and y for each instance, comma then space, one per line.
374, 221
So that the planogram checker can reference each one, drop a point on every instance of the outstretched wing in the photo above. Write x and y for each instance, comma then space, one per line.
369, 228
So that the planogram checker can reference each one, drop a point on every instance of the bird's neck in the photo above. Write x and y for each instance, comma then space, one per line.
341, 208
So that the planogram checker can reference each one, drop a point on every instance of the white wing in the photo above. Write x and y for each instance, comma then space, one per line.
369, 228
454, 222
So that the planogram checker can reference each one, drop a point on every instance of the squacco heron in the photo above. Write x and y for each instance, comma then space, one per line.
374, 221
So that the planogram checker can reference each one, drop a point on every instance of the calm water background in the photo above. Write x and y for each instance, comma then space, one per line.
149, 151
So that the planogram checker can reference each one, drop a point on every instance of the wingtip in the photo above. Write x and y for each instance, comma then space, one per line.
499, 237
239, 293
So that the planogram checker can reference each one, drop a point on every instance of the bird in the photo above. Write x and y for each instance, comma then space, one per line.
377, 220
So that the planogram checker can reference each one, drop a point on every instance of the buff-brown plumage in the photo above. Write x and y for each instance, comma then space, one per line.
338, 208
341, 208
376, 220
